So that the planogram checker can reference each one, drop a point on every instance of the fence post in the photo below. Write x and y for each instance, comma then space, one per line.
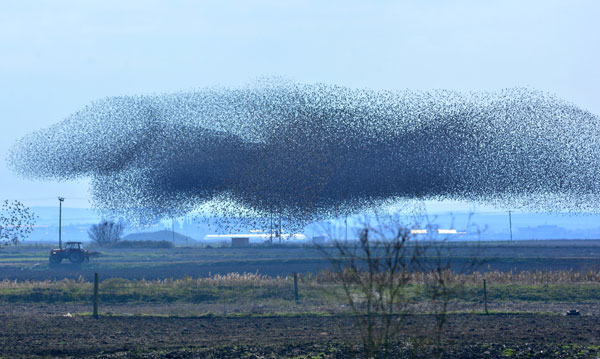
485, 296
296, 286
95, 296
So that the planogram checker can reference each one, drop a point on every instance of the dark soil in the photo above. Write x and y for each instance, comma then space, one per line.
466, 336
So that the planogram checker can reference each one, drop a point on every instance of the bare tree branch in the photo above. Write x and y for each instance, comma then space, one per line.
16, 222
106, 232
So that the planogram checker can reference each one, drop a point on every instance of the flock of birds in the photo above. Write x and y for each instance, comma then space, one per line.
304, 152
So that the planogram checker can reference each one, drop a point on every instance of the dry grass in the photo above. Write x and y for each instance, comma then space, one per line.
323, 277
497, 277
321, 289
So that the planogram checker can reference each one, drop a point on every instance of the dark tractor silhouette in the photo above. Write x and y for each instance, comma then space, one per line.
73, 251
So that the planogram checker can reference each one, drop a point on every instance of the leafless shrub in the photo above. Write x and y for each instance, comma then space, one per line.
378, 273
106, 232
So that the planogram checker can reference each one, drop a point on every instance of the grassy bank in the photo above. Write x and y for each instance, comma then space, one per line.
322, 288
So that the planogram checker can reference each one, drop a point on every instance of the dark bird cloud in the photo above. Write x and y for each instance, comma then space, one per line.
313, 151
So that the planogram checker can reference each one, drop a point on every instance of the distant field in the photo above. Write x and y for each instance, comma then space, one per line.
31, 262
520, 272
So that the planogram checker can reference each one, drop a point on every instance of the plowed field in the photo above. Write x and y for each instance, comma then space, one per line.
466, 336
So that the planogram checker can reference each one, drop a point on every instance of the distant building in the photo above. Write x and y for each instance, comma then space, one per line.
255, 236
240, 241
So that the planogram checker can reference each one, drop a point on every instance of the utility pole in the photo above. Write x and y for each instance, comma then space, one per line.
346, 223
510, 223
279, 231
60, 201
271, 230
172, 230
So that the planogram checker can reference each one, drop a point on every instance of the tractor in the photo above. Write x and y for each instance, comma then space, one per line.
73, 251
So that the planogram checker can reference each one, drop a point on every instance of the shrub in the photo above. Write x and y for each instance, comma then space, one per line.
106, 232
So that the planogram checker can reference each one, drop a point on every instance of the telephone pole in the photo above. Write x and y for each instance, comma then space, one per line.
271, 229
279, 231
60, 201
346, 223
510, 223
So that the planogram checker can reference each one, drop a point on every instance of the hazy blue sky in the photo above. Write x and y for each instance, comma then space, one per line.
57, 56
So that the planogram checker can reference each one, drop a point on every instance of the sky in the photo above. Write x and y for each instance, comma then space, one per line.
58, 56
